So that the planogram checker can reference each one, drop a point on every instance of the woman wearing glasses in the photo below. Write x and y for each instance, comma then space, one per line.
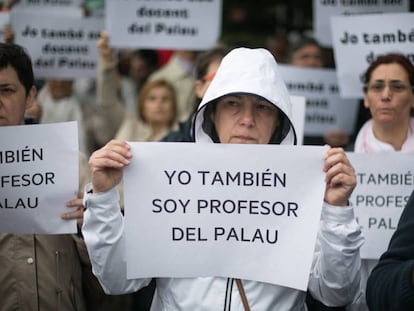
388, 94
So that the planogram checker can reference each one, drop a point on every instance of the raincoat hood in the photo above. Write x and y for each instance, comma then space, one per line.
248, 71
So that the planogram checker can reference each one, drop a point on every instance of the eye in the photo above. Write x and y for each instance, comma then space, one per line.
264, 107
397, 87
232, 102
377, 87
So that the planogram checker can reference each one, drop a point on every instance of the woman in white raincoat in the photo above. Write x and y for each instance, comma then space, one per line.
247, 102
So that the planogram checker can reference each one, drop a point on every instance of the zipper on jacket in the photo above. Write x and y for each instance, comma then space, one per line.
58, 288
36, 272
227, 298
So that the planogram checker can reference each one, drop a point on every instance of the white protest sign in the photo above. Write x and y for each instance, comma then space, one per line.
358, 40
384, 184
324, 9
60, 47
75, 12
325, 109
246, 211
298, 116
186, 24
34, 4
39, 174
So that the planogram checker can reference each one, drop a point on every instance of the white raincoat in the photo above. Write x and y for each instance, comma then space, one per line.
334, 277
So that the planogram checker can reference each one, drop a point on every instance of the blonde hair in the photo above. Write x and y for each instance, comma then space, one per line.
143, 94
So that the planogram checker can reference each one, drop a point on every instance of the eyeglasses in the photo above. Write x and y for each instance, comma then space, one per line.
394, 86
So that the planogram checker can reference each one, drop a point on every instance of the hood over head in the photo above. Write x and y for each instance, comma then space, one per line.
248, 71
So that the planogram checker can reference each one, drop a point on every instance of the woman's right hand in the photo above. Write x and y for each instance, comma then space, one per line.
106, 165
105, 51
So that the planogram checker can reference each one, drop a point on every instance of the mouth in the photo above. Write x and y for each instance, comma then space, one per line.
244, 139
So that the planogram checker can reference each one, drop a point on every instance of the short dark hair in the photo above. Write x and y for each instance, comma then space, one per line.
390, 58
17, 57
302, 42
204, 60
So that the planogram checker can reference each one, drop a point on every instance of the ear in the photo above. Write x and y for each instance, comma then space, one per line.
30, 98
199, 86
366, 103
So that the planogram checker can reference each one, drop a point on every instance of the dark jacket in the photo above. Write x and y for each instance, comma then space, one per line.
390, 285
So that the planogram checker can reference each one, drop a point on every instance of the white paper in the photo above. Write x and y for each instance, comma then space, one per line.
325, 109
324, 9
39, 174
384, 184
192, 25
60, 46
358, 40
185, 186
298, 116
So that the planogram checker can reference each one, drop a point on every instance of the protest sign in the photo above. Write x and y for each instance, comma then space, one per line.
325, 109
358, 40
60, 46
46, 4
39, 174
298, 116
245, 211
384, 184
324, 9
163, 24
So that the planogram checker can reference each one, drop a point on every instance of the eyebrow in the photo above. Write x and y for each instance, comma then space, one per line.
382, 80
6, 84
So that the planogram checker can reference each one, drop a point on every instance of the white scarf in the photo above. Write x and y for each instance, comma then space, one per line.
366, 142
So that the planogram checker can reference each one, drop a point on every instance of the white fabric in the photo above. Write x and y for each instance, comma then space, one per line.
334, 277
366, 142
260, 76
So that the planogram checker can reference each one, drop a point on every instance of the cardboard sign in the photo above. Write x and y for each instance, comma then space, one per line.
384, 184
154, 24
249, 211
39, 174
358, 40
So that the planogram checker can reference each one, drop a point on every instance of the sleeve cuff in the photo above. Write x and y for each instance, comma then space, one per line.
91, 199
339, 214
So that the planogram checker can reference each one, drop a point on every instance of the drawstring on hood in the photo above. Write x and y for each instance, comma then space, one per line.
248, 71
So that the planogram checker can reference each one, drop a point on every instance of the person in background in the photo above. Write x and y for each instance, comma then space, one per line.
179, 72
39, 272
250, 109
134, 68
388, 94
207, 64
157, 111
307, 52
156, 102
58, 103
278, 45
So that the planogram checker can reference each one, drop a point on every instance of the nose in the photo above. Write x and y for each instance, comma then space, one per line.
248, 117
386, 93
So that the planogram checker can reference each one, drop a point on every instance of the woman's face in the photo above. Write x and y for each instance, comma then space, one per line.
159, 106
245, 119
389, 95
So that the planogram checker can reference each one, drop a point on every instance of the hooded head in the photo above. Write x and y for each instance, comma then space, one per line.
246, 71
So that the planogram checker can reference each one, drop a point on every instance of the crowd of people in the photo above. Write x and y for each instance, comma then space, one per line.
222, 95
